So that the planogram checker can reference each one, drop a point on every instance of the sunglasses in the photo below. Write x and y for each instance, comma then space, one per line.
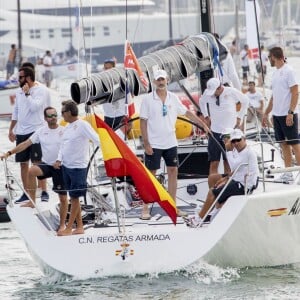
236, 141
226, 136
20, 77
164, 110
52, 116
218, 100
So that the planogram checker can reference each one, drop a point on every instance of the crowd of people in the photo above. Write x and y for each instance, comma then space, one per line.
50, 146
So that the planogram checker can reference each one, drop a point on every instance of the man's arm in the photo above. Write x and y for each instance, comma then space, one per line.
22, 146
266, 113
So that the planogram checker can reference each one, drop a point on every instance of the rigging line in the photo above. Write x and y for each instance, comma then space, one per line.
83, 37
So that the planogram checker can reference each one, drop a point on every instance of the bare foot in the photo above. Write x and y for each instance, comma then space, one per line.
61, 228
78, 231
64, 232
28, 204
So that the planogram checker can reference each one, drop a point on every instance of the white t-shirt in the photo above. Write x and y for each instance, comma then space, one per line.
74, 148
50, 140
248, 156
47, 62
224, 115
282, 80
161, 129
255, 99
244, 58
29, 111
114, 109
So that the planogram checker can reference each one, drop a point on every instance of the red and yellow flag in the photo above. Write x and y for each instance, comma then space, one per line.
119, 160
131, 62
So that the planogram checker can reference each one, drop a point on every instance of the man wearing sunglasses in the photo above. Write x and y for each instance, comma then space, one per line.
158, 115
244, 180
218, 105
28, 115
49, 137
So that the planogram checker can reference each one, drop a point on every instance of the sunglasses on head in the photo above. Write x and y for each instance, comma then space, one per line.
226, 136
164, 110
236, 141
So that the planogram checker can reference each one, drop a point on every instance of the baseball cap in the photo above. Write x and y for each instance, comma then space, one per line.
236, 134
160, 74
227, 131
212, 85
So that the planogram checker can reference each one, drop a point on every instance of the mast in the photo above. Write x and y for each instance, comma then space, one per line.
170, 22
205, 16
19, 52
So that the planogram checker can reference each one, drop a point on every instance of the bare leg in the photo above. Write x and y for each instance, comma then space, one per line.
212, 179
296, 149
79, 229
172, 181
63, 211
145, 209
75, 207
213, 167
24, 173
207, 204
42, 184
33, 172
287, 154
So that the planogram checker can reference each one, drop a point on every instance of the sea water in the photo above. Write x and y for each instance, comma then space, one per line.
21, 278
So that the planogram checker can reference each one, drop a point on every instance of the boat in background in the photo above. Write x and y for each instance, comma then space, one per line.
53, 26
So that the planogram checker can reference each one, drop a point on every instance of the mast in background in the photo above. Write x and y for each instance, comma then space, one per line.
170, 22
19, 52
205, 16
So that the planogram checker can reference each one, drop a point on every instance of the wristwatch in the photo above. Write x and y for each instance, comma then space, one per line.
290, 112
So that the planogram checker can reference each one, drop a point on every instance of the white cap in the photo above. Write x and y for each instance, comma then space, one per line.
227, 131
212, 85
160, 74
236, 134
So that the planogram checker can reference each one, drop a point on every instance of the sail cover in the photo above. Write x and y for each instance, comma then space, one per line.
194, 54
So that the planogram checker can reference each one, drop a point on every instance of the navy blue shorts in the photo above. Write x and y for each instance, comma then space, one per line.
33, 152
75, 181
284, 132
57, 178
215, 150
233, 188
152, 162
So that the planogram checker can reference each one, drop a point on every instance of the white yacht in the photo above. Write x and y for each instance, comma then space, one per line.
100, 26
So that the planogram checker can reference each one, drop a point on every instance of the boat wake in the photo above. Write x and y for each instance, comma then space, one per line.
205, 273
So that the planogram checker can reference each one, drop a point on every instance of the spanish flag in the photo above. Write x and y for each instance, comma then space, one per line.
119, 160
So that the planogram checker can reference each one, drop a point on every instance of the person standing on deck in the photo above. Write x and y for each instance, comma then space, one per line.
28, 115
222, 114
158, 114
284, 107
73, 159
245, 63
11, 62
114, 112
47, 62
49, 137
256, 103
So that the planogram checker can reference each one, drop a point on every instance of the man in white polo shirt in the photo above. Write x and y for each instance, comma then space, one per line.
218, 106
284, 107
73, 157
158, 114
